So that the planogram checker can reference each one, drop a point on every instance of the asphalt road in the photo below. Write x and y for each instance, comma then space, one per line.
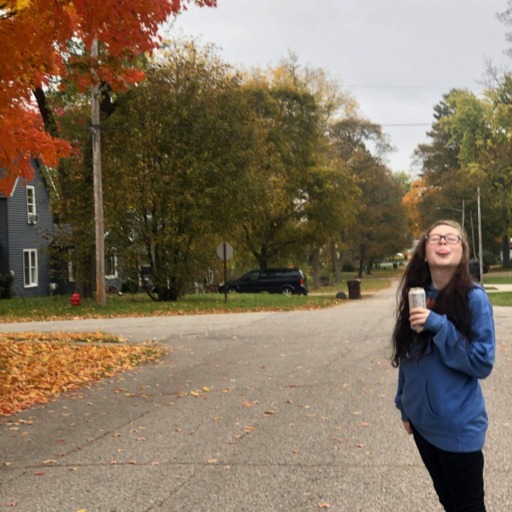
249, 412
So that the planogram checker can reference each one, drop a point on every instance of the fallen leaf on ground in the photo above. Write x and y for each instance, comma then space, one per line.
37, 367
250, 404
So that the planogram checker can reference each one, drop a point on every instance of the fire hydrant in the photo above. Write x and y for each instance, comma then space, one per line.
75, 299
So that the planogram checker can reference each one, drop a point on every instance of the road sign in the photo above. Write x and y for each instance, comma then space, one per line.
225, 251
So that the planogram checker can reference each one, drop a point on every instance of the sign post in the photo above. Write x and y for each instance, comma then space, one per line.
225, 252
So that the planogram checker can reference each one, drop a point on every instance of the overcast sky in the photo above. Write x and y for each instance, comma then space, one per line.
395, 57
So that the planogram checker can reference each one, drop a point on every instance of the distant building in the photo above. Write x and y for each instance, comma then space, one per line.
26, 231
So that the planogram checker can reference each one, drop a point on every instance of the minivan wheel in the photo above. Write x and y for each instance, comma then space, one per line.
287, 290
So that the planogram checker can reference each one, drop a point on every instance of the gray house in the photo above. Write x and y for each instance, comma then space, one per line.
26, 231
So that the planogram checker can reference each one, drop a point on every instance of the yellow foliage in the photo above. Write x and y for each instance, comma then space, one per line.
410, 202
37, 367
17, 5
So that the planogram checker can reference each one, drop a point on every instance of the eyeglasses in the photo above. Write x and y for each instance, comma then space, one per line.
449, 239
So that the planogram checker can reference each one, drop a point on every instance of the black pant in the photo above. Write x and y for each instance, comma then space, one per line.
458, 477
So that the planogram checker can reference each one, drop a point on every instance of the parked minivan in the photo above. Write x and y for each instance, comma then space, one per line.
272, 280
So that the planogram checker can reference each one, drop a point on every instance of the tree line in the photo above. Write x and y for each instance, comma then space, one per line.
470, 148
275, 161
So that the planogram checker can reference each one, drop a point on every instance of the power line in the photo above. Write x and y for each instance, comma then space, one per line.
425, 87
406, 124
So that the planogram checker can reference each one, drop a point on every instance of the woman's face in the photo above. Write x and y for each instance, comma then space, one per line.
441, 253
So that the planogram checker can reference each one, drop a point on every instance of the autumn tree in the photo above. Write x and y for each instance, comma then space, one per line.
305, 202
380, 227
331, 211
410, 201
31, 36
496, 160
331, 190
71, 194
181, 134
456, 162
69, 44
286, 134
440, 163
45, 42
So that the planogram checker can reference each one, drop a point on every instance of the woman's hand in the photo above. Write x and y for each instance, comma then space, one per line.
418, 317
407, 427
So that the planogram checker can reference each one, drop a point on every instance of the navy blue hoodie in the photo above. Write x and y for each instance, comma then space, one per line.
439, 391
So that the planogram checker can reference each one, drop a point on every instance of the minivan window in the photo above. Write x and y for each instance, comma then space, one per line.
252, 276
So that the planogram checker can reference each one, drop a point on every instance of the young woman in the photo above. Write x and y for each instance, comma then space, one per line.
440, 363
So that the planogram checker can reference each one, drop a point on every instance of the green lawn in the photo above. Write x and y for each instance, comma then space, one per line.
53, 308
489, 279
499, 277
501, 298
59, 307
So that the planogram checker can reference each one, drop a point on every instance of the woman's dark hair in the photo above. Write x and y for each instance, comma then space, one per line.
452, 300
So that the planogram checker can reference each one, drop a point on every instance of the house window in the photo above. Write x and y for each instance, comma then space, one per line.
111, 266
29, 268
71, 276
31, 205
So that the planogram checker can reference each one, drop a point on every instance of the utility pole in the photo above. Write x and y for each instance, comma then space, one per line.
98, 188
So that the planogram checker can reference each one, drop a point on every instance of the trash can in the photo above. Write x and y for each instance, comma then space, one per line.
354, 288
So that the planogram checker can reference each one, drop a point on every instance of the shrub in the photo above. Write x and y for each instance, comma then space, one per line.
130, 286
490, 258
6, 286
348, 267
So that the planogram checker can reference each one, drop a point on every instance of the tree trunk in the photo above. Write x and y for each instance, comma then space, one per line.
316, 268
336, 263
48, 118
167, 294
369, 266
362, 251
506, 251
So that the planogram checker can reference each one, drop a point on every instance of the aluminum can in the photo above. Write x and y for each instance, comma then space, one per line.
417, 298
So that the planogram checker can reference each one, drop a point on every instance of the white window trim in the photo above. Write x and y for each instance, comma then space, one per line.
113, 259
31, 204
32, 270
71, 275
